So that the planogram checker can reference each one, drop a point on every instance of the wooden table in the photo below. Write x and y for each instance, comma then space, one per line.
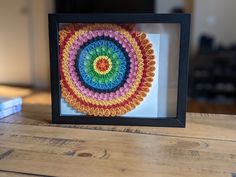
31, 146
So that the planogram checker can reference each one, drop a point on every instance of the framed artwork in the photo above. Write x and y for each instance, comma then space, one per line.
119, 69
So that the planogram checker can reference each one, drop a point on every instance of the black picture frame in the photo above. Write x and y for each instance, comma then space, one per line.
182, 19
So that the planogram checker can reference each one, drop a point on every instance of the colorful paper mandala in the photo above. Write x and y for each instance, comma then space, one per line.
106, 69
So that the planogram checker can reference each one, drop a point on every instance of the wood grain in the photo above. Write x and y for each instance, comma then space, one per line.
57, 151
204, 126
31, 146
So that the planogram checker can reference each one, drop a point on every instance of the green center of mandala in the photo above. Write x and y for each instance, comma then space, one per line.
102, 65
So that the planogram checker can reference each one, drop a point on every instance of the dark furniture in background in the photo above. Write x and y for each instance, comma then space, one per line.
214, 77
105, 6
212, 86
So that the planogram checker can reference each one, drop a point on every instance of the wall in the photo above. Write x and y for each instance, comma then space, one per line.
15, 62
24, 49
40, 42
165, 6
214, 17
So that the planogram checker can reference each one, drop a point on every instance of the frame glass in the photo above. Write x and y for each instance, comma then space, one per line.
119, 69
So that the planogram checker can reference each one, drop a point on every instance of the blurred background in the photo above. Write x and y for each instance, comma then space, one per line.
24, 49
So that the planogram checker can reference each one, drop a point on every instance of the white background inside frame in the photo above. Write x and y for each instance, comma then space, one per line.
161, 101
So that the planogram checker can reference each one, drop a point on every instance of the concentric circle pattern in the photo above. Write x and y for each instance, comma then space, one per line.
106, 69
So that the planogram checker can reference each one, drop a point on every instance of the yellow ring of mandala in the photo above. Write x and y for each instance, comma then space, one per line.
95, 65
97, 111
71, 84
66, 69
